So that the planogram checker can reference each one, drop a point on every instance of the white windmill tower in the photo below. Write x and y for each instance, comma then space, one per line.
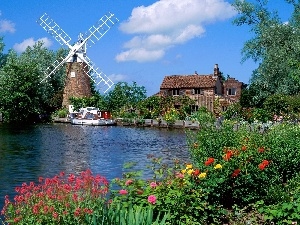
80, 69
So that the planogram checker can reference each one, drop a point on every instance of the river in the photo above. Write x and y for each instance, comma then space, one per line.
28, 152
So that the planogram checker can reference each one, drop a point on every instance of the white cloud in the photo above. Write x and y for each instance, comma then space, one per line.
140, 55
7, 26
166, 23
117, 77
21, 47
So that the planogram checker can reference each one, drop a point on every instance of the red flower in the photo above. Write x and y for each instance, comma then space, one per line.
236, 173
77, 212
261, 149
196, 172
263, 164
228, 155
209, 161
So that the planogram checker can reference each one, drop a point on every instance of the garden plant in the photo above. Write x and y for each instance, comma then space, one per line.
236, 175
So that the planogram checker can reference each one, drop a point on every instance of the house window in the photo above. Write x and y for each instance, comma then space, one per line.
198, 91
175, 92
231, 91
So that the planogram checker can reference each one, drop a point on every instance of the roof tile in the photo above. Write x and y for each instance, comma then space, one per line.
188, 81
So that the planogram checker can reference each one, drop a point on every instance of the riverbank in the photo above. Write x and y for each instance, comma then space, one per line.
180, 124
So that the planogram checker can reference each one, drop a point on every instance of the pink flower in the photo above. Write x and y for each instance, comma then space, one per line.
128, 182
55, 215
152, 199
179, 175
123, 192
153, 184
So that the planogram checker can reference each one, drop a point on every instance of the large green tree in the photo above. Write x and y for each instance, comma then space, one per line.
125, 96
275, 47
23, 97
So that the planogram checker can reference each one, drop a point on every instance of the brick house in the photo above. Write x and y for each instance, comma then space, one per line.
204, 89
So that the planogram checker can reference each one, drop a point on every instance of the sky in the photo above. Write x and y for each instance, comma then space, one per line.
153, 38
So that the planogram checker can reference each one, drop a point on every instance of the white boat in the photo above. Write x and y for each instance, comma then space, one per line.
91, 116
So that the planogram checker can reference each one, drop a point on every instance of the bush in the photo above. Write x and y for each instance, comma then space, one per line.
73, 200
203, 116
252, 166
171, 116
169, 192
62, 113
57, 200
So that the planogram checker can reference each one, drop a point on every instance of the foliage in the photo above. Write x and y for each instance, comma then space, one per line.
171, 116
62, 113
288, 211
284, 105
2, 55
247, 159
234, 112
22, 95
73, 200
238, 113
275, 46
96, 100
168, 191
125, 96
57, 200
150, 107
136, 215
203, 116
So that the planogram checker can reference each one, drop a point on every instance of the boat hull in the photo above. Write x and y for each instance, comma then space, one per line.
98, 122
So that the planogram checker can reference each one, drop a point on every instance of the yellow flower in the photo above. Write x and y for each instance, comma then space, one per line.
190, 171
202, 175
189, 166
183, 171
218, 166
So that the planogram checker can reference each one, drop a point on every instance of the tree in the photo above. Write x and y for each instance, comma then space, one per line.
2, 55
275, 47
125, 96
23, 97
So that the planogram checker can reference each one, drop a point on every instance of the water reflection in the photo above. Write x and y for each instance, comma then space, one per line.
44, 150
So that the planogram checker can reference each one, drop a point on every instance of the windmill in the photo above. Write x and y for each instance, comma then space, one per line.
80, 69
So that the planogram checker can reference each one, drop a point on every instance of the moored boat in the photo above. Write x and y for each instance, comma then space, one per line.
92, 116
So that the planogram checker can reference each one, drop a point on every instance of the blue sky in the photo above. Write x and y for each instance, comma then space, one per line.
152, 39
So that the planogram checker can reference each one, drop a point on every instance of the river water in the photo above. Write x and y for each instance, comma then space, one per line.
29, 152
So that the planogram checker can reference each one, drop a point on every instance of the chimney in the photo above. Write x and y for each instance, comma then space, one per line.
216, 70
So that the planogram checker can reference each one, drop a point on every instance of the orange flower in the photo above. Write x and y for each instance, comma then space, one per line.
244, 148
228, 155
263, 164
209, 161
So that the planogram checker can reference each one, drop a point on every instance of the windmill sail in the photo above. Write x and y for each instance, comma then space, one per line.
78, 50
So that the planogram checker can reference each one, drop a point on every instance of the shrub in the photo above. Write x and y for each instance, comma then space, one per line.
203, 116
73, 200
255, 166
62, 113
171, 116
168, 192
57, 200
286, 211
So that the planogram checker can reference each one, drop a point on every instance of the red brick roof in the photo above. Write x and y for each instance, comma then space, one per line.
188, 81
